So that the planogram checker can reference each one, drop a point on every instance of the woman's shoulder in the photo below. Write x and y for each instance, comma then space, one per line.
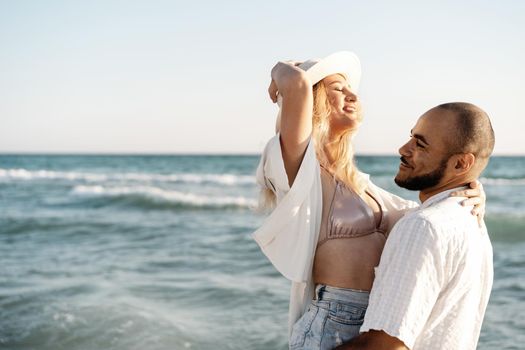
387, 197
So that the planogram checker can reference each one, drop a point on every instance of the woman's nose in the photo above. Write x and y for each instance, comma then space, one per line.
350, 95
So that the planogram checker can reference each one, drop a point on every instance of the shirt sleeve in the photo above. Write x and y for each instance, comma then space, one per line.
288, 235
408, 281
271, 172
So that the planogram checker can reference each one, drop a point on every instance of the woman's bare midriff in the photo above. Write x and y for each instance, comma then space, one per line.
348, 262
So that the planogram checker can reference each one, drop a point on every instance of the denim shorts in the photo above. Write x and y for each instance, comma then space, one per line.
332, 318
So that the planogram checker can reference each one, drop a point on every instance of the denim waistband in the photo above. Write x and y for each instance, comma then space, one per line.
324, 292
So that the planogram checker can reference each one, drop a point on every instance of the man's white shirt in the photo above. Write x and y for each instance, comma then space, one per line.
433, 283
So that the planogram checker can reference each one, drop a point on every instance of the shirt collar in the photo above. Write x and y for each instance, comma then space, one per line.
440, 196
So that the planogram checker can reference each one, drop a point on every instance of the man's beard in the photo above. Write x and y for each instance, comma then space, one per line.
422, 182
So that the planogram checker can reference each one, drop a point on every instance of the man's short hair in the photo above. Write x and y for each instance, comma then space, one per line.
473, 131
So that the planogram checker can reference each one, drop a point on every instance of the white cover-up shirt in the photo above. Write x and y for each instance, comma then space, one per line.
433, 283
288, 236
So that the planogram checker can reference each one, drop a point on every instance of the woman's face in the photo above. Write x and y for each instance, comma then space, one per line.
345, 104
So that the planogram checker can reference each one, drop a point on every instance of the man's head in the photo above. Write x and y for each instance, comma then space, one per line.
450, 145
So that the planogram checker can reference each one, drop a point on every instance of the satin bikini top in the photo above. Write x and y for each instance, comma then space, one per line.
346, 214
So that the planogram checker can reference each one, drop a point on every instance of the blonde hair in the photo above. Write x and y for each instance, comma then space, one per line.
343, 168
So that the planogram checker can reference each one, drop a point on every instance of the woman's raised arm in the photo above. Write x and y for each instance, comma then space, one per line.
294, 88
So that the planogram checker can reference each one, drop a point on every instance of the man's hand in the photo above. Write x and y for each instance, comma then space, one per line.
476, 197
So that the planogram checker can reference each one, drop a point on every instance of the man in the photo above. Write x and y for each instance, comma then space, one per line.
433, 283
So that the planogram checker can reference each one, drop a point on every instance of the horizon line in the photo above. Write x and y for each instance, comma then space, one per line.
218, 154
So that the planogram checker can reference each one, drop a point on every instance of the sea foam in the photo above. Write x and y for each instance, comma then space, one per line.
156, 195
222, 179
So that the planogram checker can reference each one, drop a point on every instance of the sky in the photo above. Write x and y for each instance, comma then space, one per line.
192, 76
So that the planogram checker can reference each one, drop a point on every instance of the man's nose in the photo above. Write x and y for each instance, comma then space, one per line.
405, 149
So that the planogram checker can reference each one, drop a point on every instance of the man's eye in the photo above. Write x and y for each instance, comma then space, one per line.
420, 145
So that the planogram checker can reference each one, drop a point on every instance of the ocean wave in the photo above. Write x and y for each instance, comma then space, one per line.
503, 181
507, 228
149, 195
190, 178
221, 179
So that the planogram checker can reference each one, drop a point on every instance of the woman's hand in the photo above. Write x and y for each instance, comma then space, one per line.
280, 72
476, 197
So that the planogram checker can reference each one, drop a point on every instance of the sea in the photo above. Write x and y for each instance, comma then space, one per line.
153, 252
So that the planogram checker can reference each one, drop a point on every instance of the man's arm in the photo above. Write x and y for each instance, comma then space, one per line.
406, 286
374, 340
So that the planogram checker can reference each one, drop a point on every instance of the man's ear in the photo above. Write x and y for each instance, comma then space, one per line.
463, 162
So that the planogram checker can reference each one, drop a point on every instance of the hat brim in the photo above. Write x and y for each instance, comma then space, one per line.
343, 62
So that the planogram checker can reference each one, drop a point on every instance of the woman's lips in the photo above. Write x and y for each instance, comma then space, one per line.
349, 109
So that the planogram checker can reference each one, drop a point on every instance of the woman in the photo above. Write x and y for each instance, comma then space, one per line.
330, 223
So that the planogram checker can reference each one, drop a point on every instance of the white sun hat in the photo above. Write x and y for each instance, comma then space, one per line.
342, 62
